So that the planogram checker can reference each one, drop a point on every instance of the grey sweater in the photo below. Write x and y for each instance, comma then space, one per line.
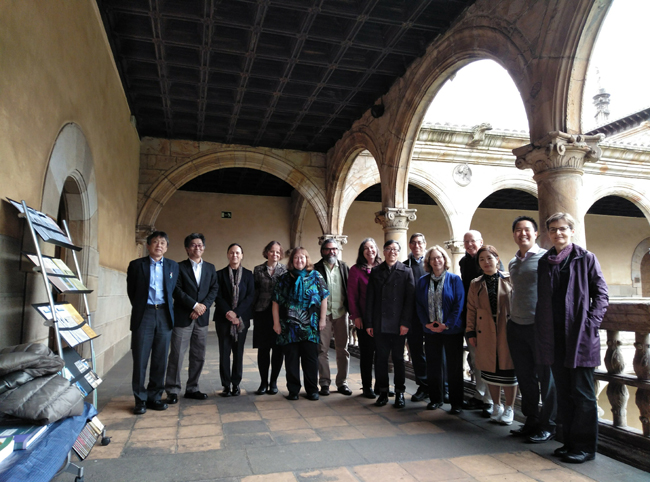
523, 275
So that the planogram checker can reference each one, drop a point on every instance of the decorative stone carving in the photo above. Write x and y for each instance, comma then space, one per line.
614, 361
462, 174
641, 361
643, 402
559, 150
456, 247
339, 238
618, 396
478, 133
141, 233
395, 218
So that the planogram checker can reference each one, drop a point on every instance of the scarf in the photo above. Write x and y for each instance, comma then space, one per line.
299, 285
492, 284
435, 297
235, 279
558, 258
557, 262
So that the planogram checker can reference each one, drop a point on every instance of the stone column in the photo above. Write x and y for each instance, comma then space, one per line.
141, 233
395, 222
457, 249
557, 161
340, 239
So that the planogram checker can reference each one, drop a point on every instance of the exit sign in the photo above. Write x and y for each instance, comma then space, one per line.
226, 214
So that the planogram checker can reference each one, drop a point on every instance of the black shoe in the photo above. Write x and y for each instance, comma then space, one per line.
382, 400
540, 437
196, 395
273, 389
420, 395
472, 404
487, 411
578, 457
225, 392
561, 451
344, 390
391, 394
446, 398
324, 391
172, 398
313, 396
140, 408
399, 400
524, 431
455, 410
262, 389
235, 391
292, 396
158, 405
369, 393
434, 405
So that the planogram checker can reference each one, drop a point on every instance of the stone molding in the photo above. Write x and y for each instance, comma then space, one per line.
559, 150
395, 218
341, 239
455, 246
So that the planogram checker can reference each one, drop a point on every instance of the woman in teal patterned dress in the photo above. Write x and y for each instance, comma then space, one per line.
299, 311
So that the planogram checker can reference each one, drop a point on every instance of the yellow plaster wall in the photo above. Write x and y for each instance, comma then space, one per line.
56, 67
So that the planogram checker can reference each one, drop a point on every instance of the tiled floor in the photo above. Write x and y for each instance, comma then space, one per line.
268, 438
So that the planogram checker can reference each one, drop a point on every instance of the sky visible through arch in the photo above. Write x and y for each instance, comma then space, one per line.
484, 92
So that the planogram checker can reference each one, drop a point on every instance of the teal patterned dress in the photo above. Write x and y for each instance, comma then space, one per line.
300, 301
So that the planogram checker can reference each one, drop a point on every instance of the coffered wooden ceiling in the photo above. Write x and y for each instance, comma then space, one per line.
289, 74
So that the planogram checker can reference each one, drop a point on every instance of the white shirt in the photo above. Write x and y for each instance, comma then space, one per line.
534, 250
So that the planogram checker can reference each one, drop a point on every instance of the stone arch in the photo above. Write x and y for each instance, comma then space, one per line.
640, 252
342, 159
624, 190
586, 42
171, 180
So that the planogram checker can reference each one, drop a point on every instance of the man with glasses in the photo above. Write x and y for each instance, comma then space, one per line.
335, 273
418, 246
195, 292
389, 313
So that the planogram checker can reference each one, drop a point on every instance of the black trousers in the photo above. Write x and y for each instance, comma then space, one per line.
535, 381
390, 346
366, 357
268, 353
226, 347
305, 353
415, 338
436, 347
577, 406
151, 338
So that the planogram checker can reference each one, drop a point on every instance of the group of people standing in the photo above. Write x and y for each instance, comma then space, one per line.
535, 325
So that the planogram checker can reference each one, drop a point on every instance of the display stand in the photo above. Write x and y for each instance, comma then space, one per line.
54, 272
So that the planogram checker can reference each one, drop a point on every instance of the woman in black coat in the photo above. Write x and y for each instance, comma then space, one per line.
232, 318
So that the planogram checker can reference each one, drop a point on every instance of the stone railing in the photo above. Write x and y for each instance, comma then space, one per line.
617, 439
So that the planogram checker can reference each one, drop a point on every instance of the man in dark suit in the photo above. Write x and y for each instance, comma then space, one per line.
389, 313
150, 283
195, 292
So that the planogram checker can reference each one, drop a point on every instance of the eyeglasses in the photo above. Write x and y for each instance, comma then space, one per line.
391, 250
418, 243
561, 229
330, 249
196, 246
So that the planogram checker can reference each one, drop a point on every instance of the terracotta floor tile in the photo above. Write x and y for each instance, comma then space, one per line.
515, 477
240, 417
277, 477
433, 415
375, 431
273, 404
319, 422
204, 410
315, 409
558, 475
251, 369
285, 424
199, 444
339, 433
279, 414
381, 472
526, 461
118, 436
368, 419
413, 428
340, 474
110, 451
482, 465
351, 410
154, 422
296, 436
160, 447
147, 434
199, 419
205, 430
399, 416
436, 470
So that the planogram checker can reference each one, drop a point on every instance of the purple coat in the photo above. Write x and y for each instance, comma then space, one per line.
585, 306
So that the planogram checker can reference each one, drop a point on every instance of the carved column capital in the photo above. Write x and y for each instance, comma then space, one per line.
341, 239
455, 246
395, 218
141, 233
558, 150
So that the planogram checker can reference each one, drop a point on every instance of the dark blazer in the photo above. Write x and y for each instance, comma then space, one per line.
137, 287
224, 297
188, 293
389, 298
344, 269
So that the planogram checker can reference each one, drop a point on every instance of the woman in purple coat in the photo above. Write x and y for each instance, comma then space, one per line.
572, 301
